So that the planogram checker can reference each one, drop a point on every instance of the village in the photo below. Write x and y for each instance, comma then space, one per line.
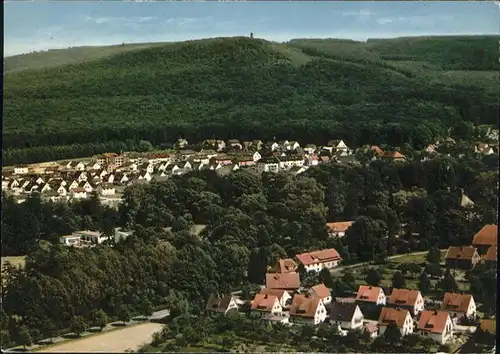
372, 309
108, 174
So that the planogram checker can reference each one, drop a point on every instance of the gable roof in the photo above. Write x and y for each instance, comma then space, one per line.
460, 252
321, 291
286, 265
340, 226
377, 150
456, 302
342, 311
368, 293
263, 302
433, 321
283, 281
488, 235
304, 305
491, 254
403, 297
390, 315
488, 326
321, 256
394, 155
275, 292
218, 304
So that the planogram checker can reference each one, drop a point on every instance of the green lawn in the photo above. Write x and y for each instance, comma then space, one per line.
414, 258
17, 261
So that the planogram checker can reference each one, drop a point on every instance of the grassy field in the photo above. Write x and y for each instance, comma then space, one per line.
112, 342
414, 258
17, 261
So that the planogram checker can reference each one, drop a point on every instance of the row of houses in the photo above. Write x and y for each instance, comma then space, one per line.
88, 238
483, 249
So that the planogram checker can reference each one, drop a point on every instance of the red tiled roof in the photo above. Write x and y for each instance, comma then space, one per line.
460, 252
275, 292
403, 297
341, 226
283, 281
368, 293
433, 321
263, 302
315, 257
304, 306
487, 236
286, 265
456, 302
394, 155
377, 150
321, 291
389, 315
78, 190
491, 254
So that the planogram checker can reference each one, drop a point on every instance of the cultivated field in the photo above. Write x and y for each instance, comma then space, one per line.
115, 341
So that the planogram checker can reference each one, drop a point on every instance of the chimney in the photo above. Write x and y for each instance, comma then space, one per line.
265, 296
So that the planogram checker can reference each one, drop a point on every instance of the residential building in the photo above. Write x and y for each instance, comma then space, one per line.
346, 315
270, 164
21, 169
93, 237
491, 255
263, 304
436, 325
371, 328
287, 162
70, 240
459, 305
78, 193
310, 149
316, 260
338, 229
484, 149
222, 305
400, 317
287, 265
410, 300
394, 156
106, 189
284, 297
368, 294
485, 238
322, 292
306, 309
283, 281
462, 257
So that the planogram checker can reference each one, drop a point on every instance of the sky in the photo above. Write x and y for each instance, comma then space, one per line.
42, 25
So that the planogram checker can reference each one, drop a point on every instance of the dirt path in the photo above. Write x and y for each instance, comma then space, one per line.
115, 341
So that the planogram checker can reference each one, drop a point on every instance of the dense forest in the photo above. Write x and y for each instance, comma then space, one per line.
250, 221
395, 92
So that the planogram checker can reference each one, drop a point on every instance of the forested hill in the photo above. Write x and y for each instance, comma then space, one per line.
406, 90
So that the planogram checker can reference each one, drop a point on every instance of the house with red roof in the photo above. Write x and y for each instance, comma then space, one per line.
264, 304
322, 292
462, 257
315, 261
394, 156
286, 265
411, 300
283, 281
400, 317
338, 229
491, 255
307, 309
485, 238
368, 294
436, 325
284, 297
459, 305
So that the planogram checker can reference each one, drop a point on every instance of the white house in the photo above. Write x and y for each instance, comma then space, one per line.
106, 189
222, 305
337, 146
484, 149
78, 193
459, 305
292, 146
265, 304
21, 170
436, 325
73, 185
80, 166
91, 236
81, 176
310, 149
400, 317
311, 160
338, 229
287, 162
410, 300
268, 165
145, 176
40, 180
316, 260
346, 315
368, 294
284, 297
306, 309
96, 166
256, 156
62, 191
87, 186
46, 188
322, 292
70, 240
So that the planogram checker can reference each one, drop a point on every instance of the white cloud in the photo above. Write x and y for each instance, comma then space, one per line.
119, 20
415, 20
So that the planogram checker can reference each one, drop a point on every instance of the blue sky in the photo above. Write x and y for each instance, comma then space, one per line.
30, 26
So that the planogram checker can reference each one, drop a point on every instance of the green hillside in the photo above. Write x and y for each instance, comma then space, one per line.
311, 90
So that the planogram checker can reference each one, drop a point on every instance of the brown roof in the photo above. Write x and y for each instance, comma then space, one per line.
403, 297
460, 252
341, 226
275, 292
283, 281
263, 302
377, 150
304, 305
342, 311
217, 304
321, 291
371, 327
78, 190
456, 302
491, 254
389, 315
488, 326
488, 235
433, 321
321, 256
368, 293
286, 265
394, 155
